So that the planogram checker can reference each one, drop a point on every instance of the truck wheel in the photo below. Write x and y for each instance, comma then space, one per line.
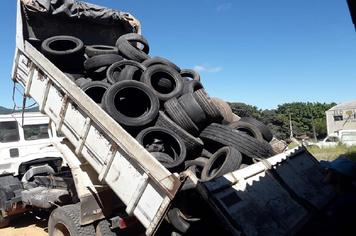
193, 109
266, 132
155, 73
65, 221
134, 38
131, 52
103, 229
227, 136
247, 128
223, 161
119, 70
180, 116
160, 61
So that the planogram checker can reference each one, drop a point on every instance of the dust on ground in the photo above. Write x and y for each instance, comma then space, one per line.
25, 225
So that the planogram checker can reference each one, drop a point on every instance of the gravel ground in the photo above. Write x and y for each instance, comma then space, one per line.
25, 225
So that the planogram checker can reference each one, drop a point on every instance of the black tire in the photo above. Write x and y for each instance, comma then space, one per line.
172, 145
118, 71
196, 166
193, 109
131, 103
155, 73
206, 153
132, 53
212, 112
66, 52
191, 86
266, 132
95, 62
134, 38
225, 160
95, 90
160, 61
67, 219
98, 74
189, 73
174, 216
194, 145
94, 50
247, 128
224, 108
81, 81
179, 116
227, 136
103, 229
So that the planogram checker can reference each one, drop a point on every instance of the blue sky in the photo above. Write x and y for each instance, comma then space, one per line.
259, 52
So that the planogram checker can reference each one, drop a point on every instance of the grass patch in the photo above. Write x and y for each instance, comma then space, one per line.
330, 154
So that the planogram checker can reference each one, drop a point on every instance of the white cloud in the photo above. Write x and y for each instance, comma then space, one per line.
224, 7
207, 68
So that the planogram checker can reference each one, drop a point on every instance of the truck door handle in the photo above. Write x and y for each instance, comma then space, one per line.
14, 152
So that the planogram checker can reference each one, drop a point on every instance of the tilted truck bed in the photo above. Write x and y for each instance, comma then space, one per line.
134, 175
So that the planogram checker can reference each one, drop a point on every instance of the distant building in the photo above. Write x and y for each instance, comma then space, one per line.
341, 117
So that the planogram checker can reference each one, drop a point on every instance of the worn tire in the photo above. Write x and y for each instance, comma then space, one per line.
191, 86
198, 165
81, 81
210, 109
138, 104
247, 128
224, 108
177, 221
155, 73
160, 61
266, 132
66, 52
225, 160
189, 73
193, 110
95, 90
131, 52
227, 136
94, 50
173, 145
67, 219
116, 72
179, 116
95, 62
134, 38
193, 144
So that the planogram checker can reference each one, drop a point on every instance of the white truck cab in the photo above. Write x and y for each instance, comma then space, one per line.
25, 138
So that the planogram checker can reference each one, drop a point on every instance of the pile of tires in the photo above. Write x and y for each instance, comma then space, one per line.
164, 107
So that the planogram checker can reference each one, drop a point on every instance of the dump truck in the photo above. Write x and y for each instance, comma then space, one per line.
117, 182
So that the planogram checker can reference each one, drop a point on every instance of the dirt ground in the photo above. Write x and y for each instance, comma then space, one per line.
25, 225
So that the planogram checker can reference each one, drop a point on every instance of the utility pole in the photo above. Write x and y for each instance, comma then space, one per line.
314, 133
290, 126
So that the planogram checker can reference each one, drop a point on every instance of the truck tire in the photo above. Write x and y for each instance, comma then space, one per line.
134, 38
94, 50
210, 109
224, 108
95, 90
171, 145
193, 144
154, 74
66, 52
193, 109
266, 132
131, 103
116, 72
160, 61
65, 220
95, 62
223, 161
103, 229
247, 128
196, 166
189, 73
131, 52
227, 136
179, 116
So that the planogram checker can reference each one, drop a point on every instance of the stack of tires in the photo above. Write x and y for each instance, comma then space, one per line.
164, 107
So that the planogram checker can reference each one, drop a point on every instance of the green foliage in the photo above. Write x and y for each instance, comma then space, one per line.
303, 115
4, 110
